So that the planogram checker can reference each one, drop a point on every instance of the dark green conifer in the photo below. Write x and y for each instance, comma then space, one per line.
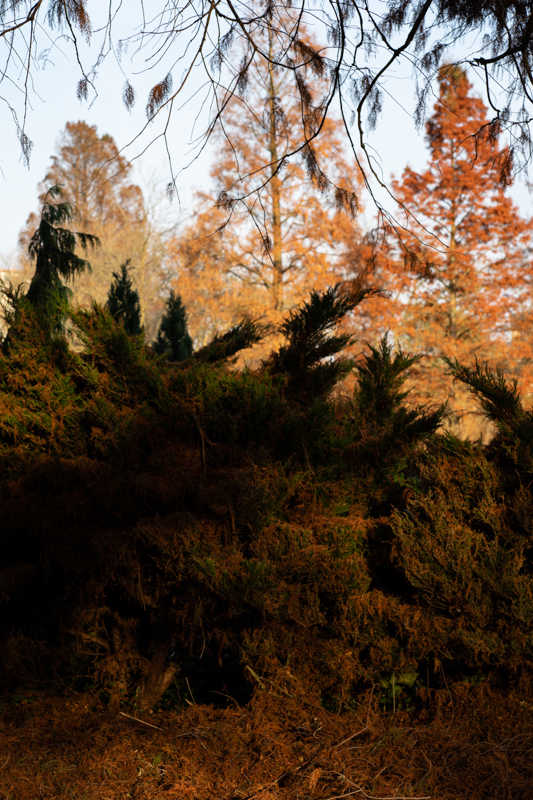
123, 301
173, 338
308, 356
224, 347
52, 248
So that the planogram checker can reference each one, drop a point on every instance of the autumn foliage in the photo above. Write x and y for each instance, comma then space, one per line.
460, 281
266, 236
176, 528
455, 277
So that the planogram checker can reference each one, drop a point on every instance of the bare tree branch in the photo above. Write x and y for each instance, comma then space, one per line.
362, 48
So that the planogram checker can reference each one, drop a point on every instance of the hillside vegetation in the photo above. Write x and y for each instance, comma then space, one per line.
194, 526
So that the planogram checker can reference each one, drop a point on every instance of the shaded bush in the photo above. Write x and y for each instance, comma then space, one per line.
158, 516
123, 301
173, 338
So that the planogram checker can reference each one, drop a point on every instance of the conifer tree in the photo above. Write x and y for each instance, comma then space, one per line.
53, 250
224, 347
460, 296
173, 337
98, 181
308, 356
283, 233
123, 301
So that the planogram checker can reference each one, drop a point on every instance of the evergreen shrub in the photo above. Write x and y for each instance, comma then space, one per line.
173, 338
158, 517
123, 301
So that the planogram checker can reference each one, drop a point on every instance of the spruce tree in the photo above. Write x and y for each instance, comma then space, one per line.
173, 338
52, 248
123, 301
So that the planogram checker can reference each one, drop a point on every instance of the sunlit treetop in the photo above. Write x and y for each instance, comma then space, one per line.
363, 45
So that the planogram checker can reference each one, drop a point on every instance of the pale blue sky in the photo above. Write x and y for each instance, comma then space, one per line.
54, 103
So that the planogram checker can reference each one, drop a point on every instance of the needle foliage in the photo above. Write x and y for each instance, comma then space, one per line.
206, 521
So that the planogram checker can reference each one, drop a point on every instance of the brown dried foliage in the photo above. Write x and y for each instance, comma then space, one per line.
274, 541
465, 743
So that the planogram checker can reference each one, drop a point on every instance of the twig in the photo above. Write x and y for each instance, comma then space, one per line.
280, 688
140, 720
379, 773
266, 786
190, 691
360, 790
351, 737
256, 676
369, 704
5, 762
373, 797
450, 695
204, 439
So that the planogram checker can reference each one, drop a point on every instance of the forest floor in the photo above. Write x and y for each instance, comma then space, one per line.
463, 743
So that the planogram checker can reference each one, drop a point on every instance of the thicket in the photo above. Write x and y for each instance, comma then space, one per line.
188, 524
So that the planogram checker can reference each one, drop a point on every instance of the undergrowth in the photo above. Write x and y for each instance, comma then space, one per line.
189, 524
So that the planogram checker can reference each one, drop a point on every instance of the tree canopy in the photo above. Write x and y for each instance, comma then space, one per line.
284, 237
471, 293
363, 47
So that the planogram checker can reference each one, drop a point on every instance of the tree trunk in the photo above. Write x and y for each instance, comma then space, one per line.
159, 677
275, 193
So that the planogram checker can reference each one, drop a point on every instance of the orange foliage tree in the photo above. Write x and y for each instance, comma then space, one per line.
268, 235
466, 255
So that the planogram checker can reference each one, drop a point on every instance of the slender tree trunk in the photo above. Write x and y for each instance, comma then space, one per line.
142, 278
452, 260
275, 194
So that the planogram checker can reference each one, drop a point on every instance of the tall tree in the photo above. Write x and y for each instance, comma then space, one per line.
285, 234
52, 249
281, 234
459, 298
366, 46
97, 180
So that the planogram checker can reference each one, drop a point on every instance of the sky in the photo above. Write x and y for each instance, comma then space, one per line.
53, 103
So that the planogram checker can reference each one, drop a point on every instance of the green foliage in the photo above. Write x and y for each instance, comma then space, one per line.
123, 301
319, 544
52, 248
501, 403
463, 554
387, 432
225, 346
307, 358
397, 691
173, 339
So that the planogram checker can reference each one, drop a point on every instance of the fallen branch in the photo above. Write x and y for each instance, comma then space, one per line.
141, 721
